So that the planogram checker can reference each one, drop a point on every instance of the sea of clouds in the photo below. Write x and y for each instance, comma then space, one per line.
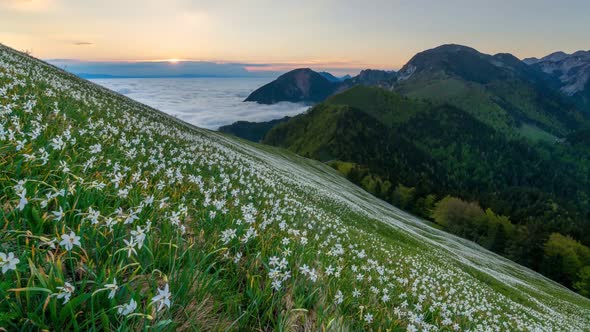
204, 102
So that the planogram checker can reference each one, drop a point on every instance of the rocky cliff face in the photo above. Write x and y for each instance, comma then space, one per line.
572, 70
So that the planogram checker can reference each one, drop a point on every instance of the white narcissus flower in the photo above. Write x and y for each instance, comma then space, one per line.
65, 292
163, 298
356, 293
58, 214
130, 247
112, 287
128, 308
68, 241
96, 148
8, 261
23, 200
139, 236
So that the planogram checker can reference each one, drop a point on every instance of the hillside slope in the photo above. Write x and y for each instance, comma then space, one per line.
117, 216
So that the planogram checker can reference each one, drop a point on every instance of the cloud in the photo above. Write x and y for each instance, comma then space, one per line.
191, 68
82, 43
89, 69
204, 102
334, 67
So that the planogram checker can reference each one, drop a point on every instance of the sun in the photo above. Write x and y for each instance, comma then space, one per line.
173, 60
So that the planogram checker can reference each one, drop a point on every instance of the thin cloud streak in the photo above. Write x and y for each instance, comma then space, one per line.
184, 68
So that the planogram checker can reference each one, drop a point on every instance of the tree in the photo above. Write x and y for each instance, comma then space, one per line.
583, 283
564, 258
458, 217
403, 196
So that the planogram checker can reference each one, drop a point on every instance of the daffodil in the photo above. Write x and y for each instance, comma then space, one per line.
113, 287
8, 261
128, 308
163, 298
65, 292
68, 241
58, 214
23, 200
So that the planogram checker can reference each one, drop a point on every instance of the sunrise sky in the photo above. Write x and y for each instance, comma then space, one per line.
280, 35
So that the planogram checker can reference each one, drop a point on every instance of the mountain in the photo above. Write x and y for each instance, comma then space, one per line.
412, 151
252, 131
511, 96
306, 85
116, 216
372, 77
299, 85
556, 56
571, 71
345, 77
499, 90
329, 77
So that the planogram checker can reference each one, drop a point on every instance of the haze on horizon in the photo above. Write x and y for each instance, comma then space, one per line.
340, 36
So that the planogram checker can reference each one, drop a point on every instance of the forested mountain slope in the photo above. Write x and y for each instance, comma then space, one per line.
414, 153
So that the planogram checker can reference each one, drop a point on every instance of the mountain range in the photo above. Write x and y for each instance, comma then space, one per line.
500, 90
492, 130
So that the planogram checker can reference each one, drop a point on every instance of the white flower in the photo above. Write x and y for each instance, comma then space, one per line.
93, 216
8, 262
163, 298
96, 148
69, 241
65, 292
368, 318
273, 261
228, 235
329, 270
64, 166
339, 297
23, 200
356, 293
58, 214
127, 309
112, 287
276, 284
130, 247
139, 236
237, 257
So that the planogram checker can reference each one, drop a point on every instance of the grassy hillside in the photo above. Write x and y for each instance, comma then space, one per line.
116, 216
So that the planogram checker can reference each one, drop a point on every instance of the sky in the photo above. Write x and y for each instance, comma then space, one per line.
342, 36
